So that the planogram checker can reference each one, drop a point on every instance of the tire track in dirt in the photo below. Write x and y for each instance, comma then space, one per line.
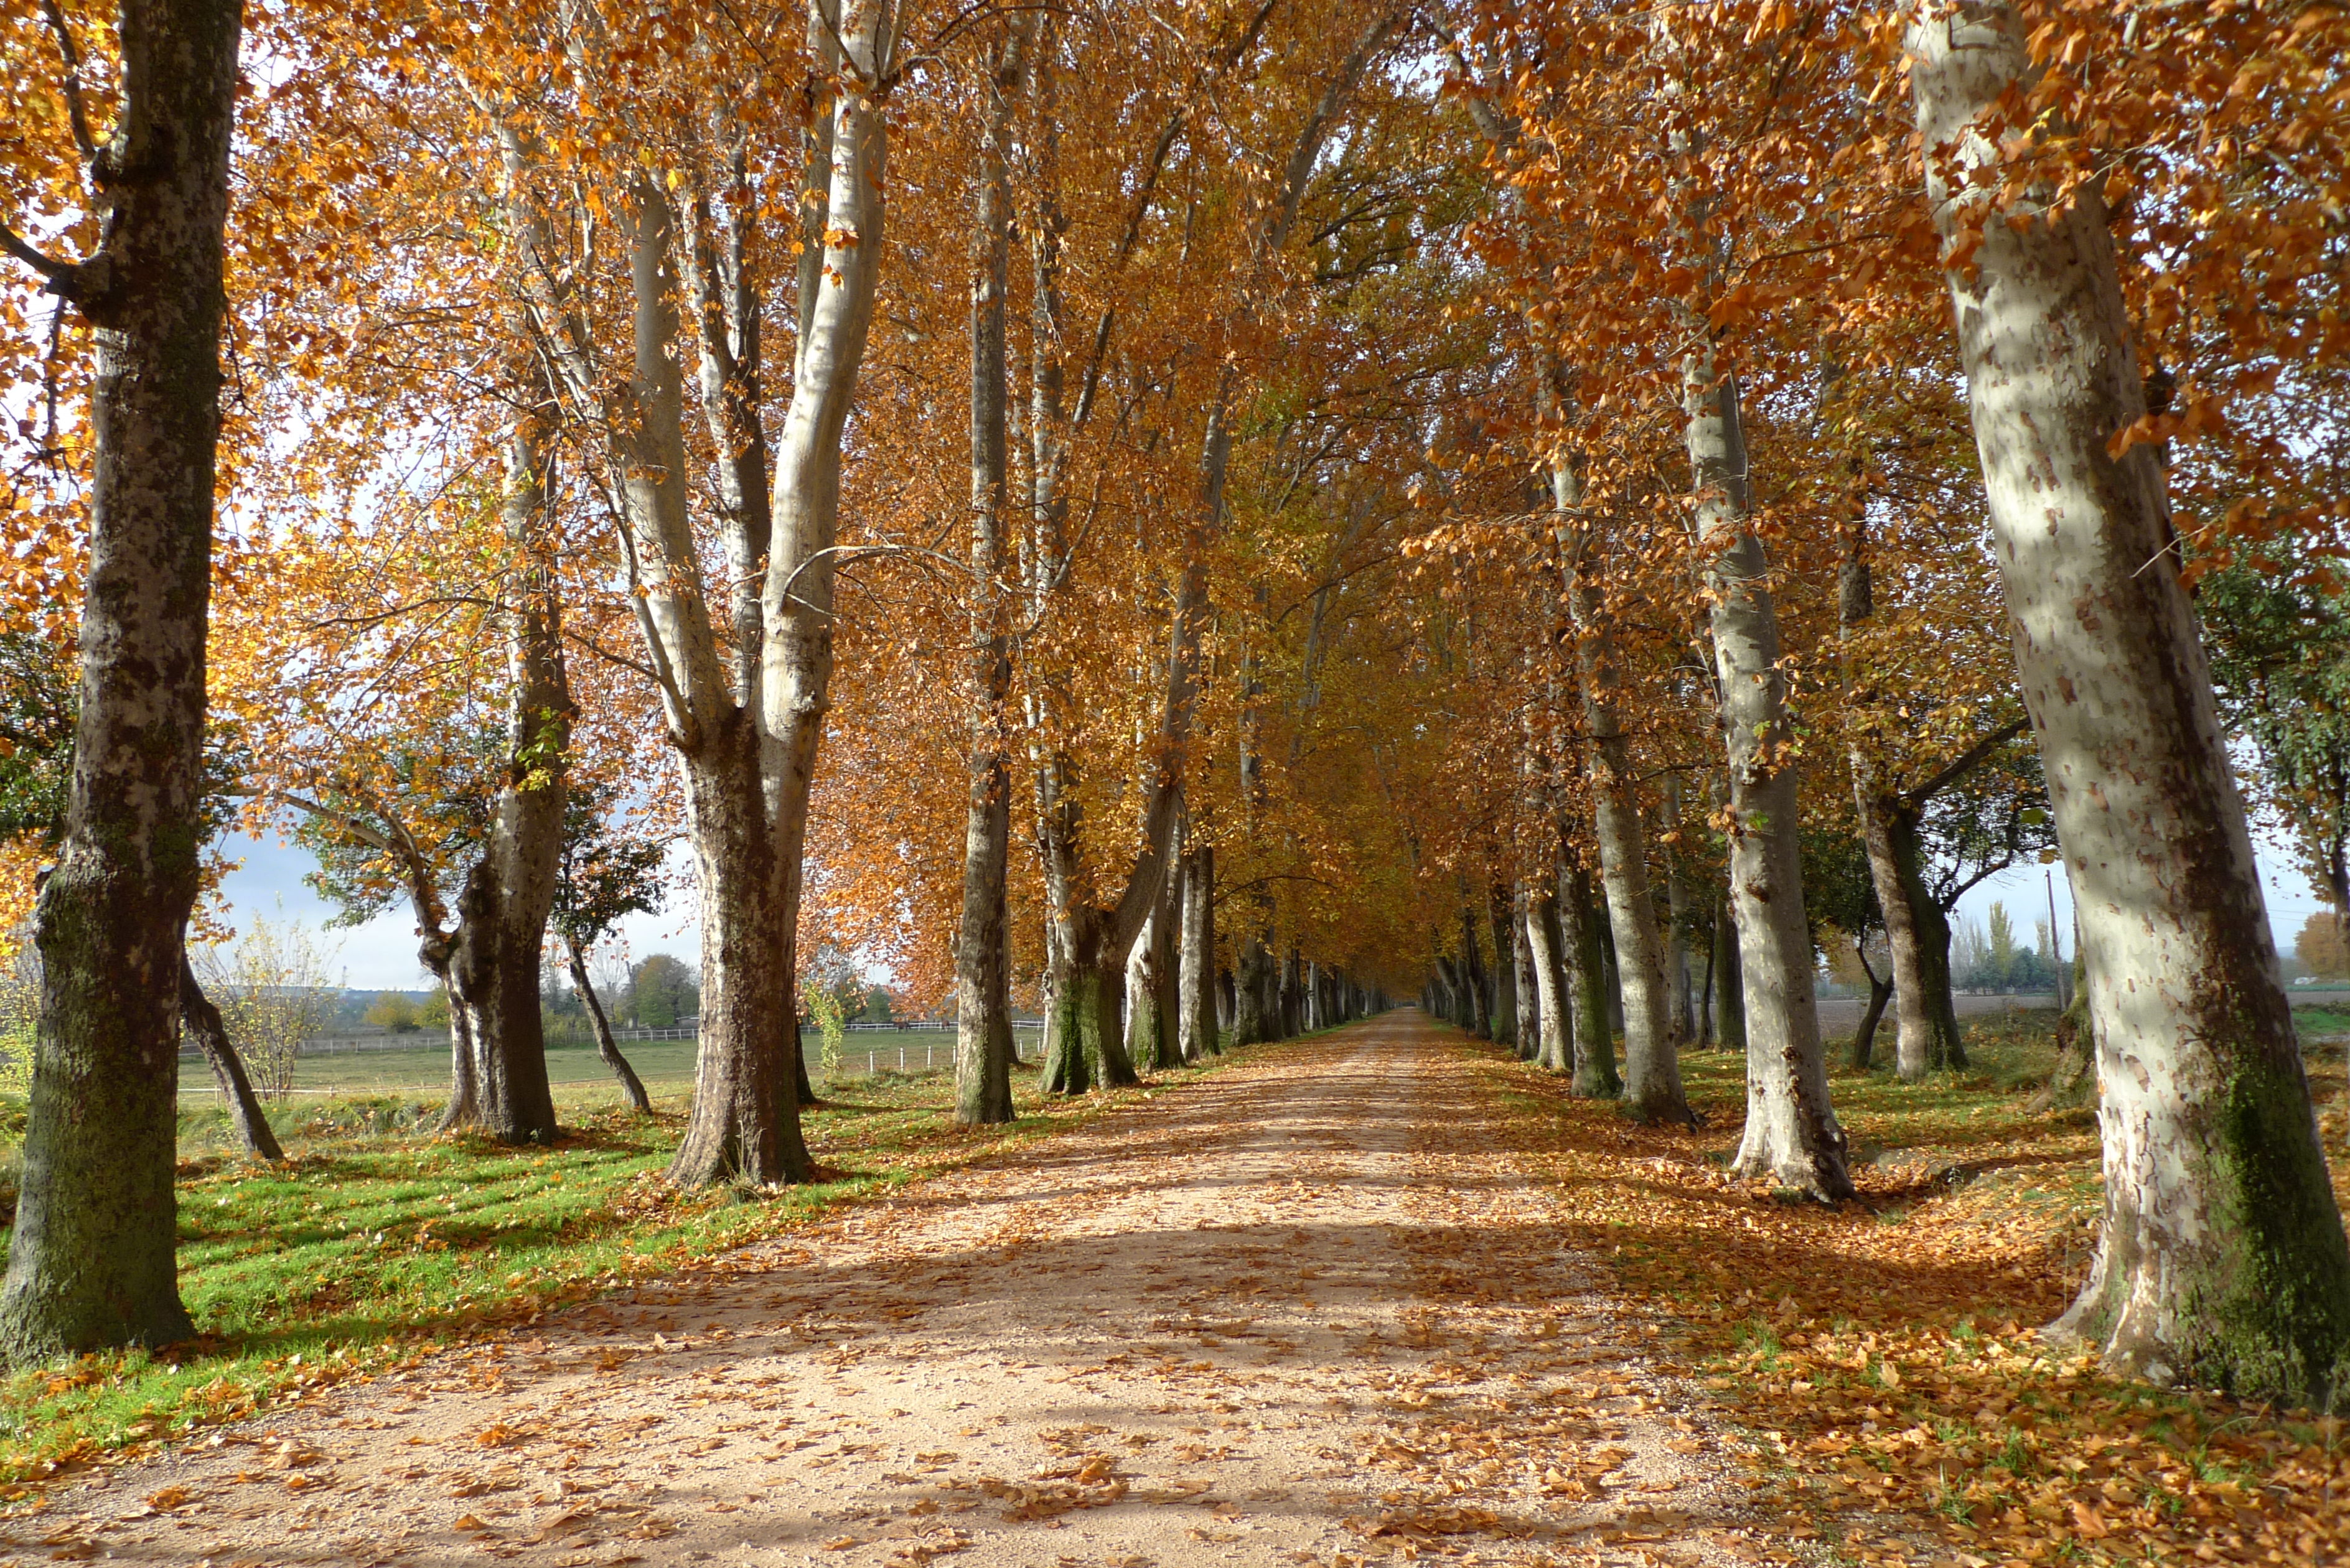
1308, 1310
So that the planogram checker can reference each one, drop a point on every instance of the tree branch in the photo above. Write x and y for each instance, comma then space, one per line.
1969, 759
74, 114
54, 272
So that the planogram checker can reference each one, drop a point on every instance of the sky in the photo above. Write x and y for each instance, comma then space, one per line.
2291, 900
382, 954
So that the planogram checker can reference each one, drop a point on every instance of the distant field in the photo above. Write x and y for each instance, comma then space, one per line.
579, 1076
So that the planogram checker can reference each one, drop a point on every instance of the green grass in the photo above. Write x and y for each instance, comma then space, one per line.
373, 1241
574, 1072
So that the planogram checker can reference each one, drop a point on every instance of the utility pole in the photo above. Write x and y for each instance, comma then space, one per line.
2055, 949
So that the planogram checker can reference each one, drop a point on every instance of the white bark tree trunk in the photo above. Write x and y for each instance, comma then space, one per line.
1791, 1135
1554, 1027
1196, 1030
2222, 1259
984, 1043
1651, 1084
796, 601
1529, 998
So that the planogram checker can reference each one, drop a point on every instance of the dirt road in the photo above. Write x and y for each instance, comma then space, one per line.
1305, 1310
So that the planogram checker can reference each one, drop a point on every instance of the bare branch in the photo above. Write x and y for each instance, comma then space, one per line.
57, 274
74, 114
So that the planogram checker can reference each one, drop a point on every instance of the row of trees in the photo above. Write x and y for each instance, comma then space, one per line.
1760, 528
1356, 491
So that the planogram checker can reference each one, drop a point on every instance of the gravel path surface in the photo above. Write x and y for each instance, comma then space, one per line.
1308, 1310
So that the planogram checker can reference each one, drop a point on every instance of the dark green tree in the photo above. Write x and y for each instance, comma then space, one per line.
2278, 629
1840, 901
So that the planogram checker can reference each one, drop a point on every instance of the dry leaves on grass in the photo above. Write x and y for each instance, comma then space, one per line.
1884, 1358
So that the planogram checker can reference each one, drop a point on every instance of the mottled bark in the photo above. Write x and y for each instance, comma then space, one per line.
1196, 1028
1522, 964
1583, 957
1151, 986
1253, 1019
1506, 968
1546, 948
490, 960
984, 1043
1915, 1042
1792, 1133
1652, 1083
90, 1262
2223, 1258
1085, 1032
1942, 1045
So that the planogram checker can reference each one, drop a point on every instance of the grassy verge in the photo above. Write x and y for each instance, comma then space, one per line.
1882, 1361
374, 1242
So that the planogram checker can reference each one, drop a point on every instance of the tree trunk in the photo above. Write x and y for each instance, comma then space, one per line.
1864, 1039
1480, 1020
2222, 1259
744, 1124
1506, 968
1166, 967
1651, 1085
2076, 1043
202, 1022
1728, 986
1678, 1005
1791, 1135
1945, 1045
797, 598
91, 1261
1290, 1021
1546, 949
1085, 1034
1196, 1026
493, 957
1529, 995
984, 1043
802, 1084
1150, 987
1915, 1044
1253, 1020
1611, 978
1919, 1043
1583, 957
1705, 997
632, 1089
